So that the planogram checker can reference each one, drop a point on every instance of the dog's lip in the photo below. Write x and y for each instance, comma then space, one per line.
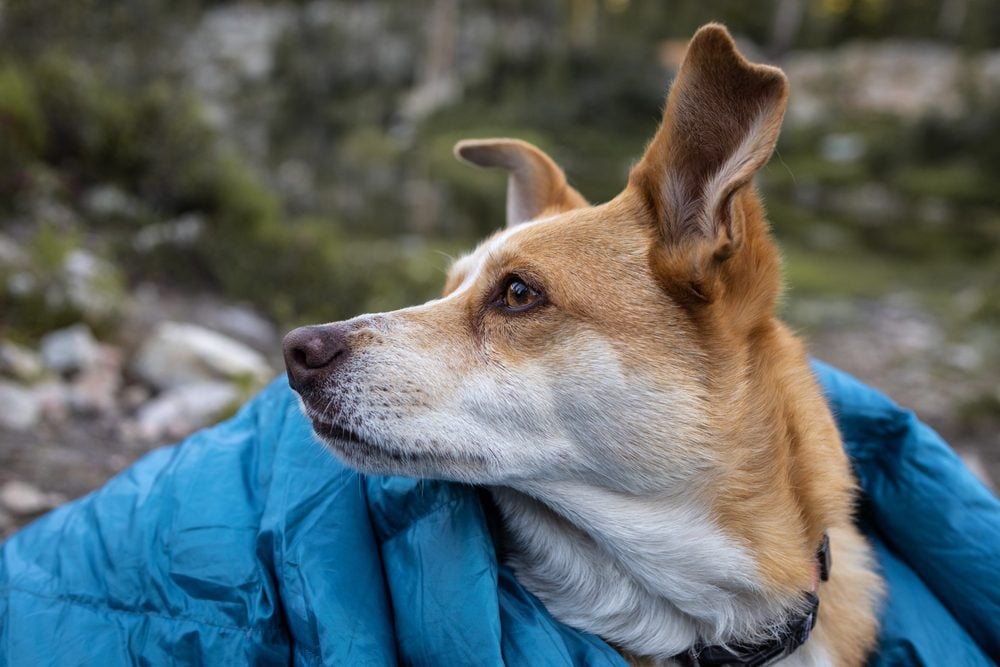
332, 431
337, 435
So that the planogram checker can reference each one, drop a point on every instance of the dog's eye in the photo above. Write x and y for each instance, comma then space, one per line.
518, 296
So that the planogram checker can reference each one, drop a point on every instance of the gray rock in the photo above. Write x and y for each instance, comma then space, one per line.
185, 230
19, 362
21, 283
240, 322
110, 201
150, 305
11, 254
133, 396
231, 47
95, 389
70, 350
177, 353
184, 409
20, 409
904, 79
21, 498
53, 396
53, 211
91, 285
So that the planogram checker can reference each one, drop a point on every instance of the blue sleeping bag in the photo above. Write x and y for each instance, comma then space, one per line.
250, 544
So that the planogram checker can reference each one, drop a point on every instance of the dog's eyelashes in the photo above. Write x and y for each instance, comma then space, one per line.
518, 296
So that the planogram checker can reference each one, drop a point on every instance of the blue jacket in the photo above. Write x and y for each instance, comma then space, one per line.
249, 544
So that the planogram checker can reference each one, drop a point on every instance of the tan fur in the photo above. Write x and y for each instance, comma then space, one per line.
537, 186
672, 286
788, 479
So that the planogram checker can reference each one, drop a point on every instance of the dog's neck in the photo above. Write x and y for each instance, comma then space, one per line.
653, 585
722, 558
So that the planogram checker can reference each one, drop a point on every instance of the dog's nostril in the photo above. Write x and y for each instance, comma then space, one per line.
300, 357
316, 348
318, 353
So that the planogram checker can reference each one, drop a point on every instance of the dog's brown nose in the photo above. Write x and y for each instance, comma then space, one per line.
312, 353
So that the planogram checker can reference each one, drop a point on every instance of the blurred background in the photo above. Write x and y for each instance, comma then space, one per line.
181, 181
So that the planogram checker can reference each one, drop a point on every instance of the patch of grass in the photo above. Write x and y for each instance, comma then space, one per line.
957, 182
813, 273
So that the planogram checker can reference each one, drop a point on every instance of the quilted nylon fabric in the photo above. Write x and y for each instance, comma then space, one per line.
249, 544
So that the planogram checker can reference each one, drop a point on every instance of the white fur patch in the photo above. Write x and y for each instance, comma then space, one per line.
473, 263
654, 575
688, 214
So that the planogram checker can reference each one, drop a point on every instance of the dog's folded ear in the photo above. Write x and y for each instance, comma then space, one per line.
536, 186
719, 127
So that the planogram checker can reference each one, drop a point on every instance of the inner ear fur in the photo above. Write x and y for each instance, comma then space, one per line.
720, 125
536, 186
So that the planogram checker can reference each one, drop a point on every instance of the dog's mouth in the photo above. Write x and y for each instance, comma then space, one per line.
329, 431
366, 453
351, 443
326, 426
389, 458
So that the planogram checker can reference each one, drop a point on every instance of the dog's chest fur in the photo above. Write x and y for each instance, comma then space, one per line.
654, 575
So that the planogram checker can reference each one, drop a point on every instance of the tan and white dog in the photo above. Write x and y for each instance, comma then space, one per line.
663, 460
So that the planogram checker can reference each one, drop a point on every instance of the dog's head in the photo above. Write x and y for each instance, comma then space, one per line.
581, 342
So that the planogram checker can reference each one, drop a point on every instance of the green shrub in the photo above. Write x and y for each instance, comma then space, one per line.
22, 127
86, 120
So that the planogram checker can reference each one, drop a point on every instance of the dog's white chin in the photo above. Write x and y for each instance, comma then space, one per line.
383, 456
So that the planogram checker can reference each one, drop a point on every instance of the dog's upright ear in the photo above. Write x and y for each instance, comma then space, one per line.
720, 126
536, 185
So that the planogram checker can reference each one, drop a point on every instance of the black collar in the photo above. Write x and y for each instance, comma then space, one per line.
793, 635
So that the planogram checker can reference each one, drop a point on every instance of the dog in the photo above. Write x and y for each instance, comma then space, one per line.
668, 474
